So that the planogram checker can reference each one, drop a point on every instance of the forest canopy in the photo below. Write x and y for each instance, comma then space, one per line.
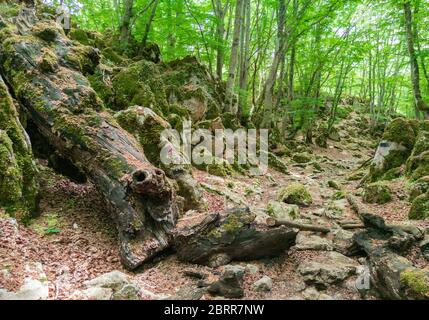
283, 54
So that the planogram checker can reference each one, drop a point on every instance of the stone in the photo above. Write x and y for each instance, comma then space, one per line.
230, 283
252, 269
281, 210
114, 285
311, 293
296, 193
378, 192
424, 247
97, 293
334, 185
418, 188
264, 284
189, 292
310, 241
420, 208
343, 242
35, 287
331, 269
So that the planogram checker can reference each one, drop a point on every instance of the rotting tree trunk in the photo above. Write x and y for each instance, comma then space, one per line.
221, 238
44, 71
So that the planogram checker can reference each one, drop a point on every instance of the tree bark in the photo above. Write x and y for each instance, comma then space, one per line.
126, 21
71, 118
148, 26
234, 58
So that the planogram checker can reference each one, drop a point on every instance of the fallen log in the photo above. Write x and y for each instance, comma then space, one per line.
274, 222
45, 71
233, 235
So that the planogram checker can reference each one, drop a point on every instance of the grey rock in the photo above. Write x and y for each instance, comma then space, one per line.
311, 293
331, 269
35, 287
114, 285
263, 284
252, 269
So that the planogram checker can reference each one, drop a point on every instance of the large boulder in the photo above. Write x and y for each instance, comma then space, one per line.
396, 146
332, 268
378, 192
230, 283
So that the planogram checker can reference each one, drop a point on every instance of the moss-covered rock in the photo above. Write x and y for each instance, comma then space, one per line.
416, 282
378, 192
418, 188
302, 157
140, 84
48, 62
395, 148
392, 174
296, 193
420, 208
418, 162
401, 131
18, 185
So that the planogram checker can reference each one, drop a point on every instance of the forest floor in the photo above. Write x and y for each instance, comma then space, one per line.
74, 239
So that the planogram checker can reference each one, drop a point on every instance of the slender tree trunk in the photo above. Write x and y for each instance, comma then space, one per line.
420, 104
126, 19
245, 59
234, 57
148, 26
220, 12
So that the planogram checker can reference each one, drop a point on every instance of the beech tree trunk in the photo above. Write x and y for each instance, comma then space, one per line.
420, 104
234, 57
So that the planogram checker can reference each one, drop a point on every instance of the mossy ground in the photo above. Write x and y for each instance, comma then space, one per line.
295, 193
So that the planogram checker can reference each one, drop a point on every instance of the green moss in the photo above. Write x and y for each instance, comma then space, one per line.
295, 193
418, 188
116, 166
302, 157
80, 36
103, 89
378, 192
420, 208
392, 174
417, 281
140, 83
18, 186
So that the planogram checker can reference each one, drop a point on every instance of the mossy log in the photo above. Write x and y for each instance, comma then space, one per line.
18, 185
69, 116
233, 235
